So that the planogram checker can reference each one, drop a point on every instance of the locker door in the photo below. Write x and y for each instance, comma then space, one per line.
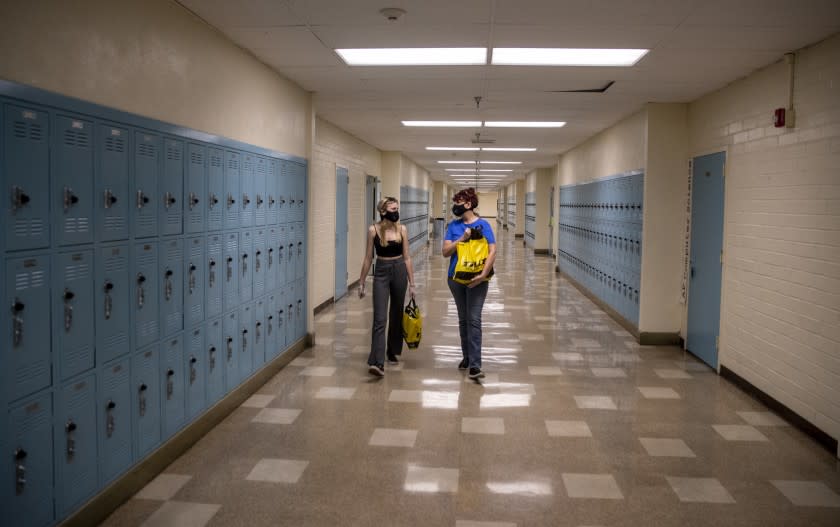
231, 344
72, 316
215, 197
230, 271
281, 310
300, 247
300, 193
195, 373
72, 180
172, 390
246, 266
111, 176
283, 192
260, 333
271, 330
215, 361
147, 160
194, 281
272, 186
26, 344
282, 258
171, 186
111, 303
74, 427
300, 310
291, 314
214, 266
232, 198
272, 240
196, 191
246, 191
171, 278
25, 175
291, 252
114, 420
28, 496
145, 401
260, 263
144, 294
247, 341
260, 188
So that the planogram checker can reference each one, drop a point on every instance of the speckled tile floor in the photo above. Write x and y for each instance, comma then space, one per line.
574, 425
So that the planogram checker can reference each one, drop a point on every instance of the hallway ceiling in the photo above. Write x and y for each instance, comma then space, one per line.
697, 46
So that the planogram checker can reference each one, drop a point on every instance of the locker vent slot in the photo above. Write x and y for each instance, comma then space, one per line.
76, 138
114, 223
116, 341
74, 225
116, 264
233, 163
115, 144
32, 228
145, 258
215, 161
147, 329
29, 280
35, 132
197, 158
173, 154
77, 272
20, 129
146, 150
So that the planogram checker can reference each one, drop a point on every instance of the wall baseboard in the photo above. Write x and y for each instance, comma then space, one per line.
648, 338
323, 305
517, 236
123, 489
623, 322
820, 436
543, 252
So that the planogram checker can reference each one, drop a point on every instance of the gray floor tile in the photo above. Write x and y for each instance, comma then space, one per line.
278, 470
592, 486
699, 490
393, 437
276, 416
808, 493
659, 447
179, 514
483, 425
163, 487
568, 429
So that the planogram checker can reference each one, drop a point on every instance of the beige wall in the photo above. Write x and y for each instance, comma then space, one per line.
487, 204
539, 182
780, 327
155, 59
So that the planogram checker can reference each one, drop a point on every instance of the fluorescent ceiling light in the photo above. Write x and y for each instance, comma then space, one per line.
456, 124
566, 56
509, 149
459, 148
457, 162
525, 124
496, 170
500, 162
413, 56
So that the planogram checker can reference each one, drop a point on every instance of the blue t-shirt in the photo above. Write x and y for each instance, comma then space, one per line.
456, 229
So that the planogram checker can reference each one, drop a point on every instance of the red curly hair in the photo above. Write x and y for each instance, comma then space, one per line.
467, 195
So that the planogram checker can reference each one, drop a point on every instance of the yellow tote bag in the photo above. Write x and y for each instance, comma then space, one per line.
412, 325
472, 255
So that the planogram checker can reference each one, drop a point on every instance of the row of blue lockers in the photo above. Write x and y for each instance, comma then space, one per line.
511, 212
65, 444
621, 296
414, 214
73, 179
617, 254
530, 218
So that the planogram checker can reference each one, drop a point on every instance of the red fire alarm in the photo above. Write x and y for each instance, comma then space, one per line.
779, 118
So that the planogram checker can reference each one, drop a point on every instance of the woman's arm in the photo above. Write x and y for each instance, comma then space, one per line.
368, 259
451, 246
407, 258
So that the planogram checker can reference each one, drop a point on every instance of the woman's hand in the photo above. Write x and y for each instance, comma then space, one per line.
411, 290
476, 280
362, 290
466, 235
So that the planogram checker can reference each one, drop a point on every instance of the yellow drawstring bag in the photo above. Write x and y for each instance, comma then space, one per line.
472, 254
412, 324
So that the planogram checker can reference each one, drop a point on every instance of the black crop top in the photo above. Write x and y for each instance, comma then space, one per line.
393, 248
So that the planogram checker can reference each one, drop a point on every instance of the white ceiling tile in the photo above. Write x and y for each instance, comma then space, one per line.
242, 13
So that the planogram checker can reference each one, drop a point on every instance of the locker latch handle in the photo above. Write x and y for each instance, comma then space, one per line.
109, 303
282, 201
280, 319
191, 281
280, 253
244, 340
271, 200
257, 263
270, 257
167, 287
19, 198
142, 391
299, 306
69, 428
230, 200
213, 200
168, 200
70, 198
229, 268
211, 279
141, 292
110, 420
110, 199
20, 471
289, 311
245, 201
244, 264
68, 309
259, 200
229, 348
300, 248
270, 323
17, 322
170, 383
142, 199
193, 200
193, 373
257, 326
212, 353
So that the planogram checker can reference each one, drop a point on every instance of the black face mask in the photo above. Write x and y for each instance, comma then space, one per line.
391, 216
458, 210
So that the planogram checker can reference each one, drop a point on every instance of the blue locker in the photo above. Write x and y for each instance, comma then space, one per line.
291, 252
271, 329
71, 177
246, 191
215, 361
147, 160
145, 401
261, 170
26, 346
144, 293
247, 340
195, 373
196, 189
27, 492
215, 202
300, 247
232, 183
72, 316
272, 240
300, 193
231, 342
114, 396
272, 188
261, 268
111, 303
230, 271
194, 281
25, 174
282, 255
284, 186
282, 311
171, 186
260, 332
111, 201
172, 389
291, 314
246, 266
215, 275
300, 309
76, 471
171, 286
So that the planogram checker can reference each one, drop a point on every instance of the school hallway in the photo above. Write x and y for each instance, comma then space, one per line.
574, 425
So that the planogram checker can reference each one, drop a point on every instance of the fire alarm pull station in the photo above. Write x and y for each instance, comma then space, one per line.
779, 118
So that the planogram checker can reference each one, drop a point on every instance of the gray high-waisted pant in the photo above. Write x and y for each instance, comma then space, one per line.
390, 281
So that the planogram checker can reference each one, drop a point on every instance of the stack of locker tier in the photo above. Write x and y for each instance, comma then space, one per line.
600, 239
414, 214
147, 274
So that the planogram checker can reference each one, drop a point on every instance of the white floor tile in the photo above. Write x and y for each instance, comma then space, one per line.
276, 416
529, 488
334, 392
318, 371
672, 374
595, 402
258, 401
655, 392
808, 493
568, 356
181, 514
483, 425
568, 429
659, 447
593, 486
531, 336
278, 470
431, 479
609, 373
700, 490
163, 487
302, 361
393, 437
545, 370
739, 433
762, 419
505, 400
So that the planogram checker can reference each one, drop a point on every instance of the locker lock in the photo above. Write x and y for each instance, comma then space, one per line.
68, 309
69, 428
245, 200
20, 470
230, 200
142, 199
17, 322
212, 352
167, 287
141, 292
110, 199
213, 200
142, 391
19, 198
191, 281
70, 198
257, 263
168, 200
211, 279
244, 340
170, 383
193, 200
270, 256
259, 200
110, 423
229, 348
229, 268
109, 303
193, 373
271, 200
258, 326
270, 323
244, 264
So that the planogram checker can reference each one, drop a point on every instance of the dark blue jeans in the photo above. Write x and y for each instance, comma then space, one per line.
470, 302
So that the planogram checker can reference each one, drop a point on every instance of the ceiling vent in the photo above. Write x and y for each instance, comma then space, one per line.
602, 89
478, 140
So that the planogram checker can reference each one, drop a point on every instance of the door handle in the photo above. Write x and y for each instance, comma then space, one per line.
70, 198
17, 322
110, 199
20, 471
68, 309
109, 303
193, 200
19, 198
141, 292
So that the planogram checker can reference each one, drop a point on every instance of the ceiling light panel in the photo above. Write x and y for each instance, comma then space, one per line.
509, 149
500, 162
457, 162
525, 124
444, 124
413, 56
566, 56
454, 148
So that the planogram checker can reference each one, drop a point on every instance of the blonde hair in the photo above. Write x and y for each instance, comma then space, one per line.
382, 207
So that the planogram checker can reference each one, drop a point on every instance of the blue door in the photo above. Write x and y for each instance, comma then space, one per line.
172, 390
215, 361
111, 176
260, 185
214, 266
147, 152
342, 180
73, 312
248, 201
196, 189
706, 257
195, 371
145, 368
171, 286
72, 180
171, 187
231, 198
214, 199
75, 444
194, 281
114, 420
246, 266
144, 294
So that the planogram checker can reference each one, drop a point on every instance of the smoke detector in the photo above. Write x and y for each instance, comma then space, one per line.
392, 13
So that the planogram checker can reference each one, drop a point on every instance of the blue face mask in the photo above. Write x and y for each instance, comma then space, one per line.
458, 210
